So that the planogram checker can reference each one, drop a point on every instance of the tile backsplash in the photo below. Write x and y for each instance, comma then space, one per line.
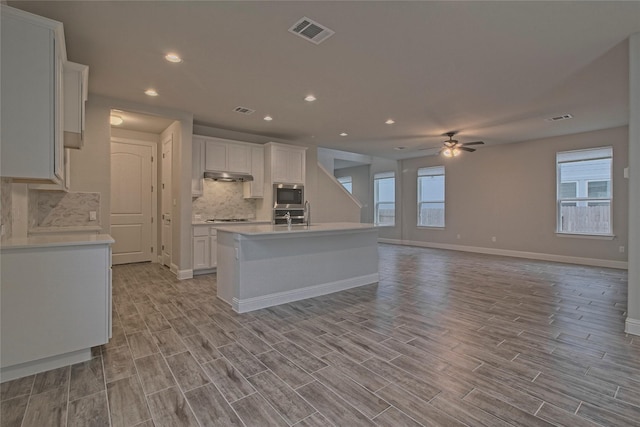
7, 222
60, 209
223, 200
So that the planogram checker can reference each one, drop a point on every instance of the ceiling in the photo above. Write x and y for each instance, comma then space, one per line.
490, 70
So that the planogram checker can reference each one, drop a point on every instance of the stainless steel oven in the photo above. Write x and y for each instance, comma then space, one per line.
296, 215
288, 196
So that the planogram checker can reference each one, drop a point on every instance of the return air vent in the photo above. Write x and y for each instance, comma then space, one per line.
244, 110
311, 30
558, 118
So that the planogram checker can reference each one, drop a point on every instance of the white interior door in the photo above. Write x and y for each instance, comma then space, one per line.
131, 201
167, 146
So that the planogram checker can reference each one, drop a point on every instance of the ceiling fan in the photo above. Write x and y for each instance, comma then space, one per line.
453, 148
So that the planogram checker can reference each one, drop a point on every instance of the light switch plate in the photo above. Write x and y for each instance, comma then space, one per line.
93, 215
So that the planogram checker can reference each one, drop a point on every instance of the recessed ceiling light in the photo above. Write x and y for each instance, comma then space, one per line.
310, 98
390, 121
173, 57
344, 134
115, 120
268, 118
151, 92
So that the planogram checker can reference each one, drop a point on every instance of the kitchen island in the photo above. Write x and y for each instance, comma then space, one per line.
265, 265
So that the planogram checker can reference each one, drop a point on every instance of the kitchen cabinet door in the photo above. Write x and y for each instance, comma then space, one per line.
215, 156
296, 168
255, 188
197, 167
238, 158
201, 252
32, 54
287, 164
76, 81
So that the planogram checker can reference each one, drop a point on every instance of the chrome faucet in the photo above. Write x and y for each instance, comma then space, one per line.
287, 216
307, 212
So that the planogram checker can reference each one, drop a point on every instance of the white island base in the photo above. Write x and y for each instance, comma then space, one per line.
265, 265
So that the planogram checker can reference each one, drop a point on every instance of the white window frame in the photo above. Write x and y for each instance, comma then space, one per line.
376, 203
430, 171
580, 156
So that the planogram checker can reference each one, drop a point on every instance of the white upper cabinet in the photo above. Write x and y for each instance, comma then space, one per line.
227, 156
215, 156
76, 79
197, 165
255, 189
287, 163
238, 158
32, 56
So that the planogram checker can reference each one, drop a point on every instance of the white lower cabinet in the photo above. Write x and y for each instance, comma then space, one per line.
204, 247
56, 302
201, 252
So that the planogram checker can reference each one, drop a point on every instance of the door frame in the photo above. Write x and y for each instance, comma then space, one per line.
161, 238
154, 184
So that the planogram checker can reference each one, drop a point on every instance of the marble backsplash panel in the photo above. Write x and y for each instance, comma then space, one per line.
60, 209
223, 200
5, 207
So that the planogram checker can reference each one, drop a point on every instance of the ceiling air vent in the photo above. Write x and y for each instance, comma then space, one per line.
244, 110
311, 30
558, 118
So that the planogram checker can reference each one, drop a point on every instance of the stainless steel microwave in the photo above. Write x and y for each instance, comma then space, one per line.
286, 196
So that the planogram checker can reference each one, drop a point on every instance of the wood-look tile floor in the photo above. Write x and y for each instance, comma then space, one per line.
446, 338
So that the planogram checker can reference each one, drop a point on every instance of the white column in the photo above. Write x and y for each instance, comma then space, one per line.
633, 309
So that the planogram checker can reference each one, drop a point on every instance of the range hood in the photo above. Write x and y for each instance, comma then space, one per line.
228, 176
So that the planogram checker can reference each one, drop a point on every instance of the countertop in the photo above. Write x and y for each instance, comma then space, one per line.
227, 223
43, 241
270, 229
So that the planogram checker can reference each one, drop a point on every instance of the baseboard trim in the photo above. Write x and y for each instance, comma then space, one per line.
256, 303
632, 326
184, 274
622, 265
9, 373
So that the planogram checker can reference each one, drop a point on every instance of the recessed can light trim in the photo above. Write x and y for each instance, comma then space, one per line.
173, 57
151, 92
310, 98
390, 121
268, 118
344, 134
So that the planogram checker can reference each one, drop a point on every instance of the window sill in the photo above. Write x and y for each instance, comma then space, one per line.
428, 227
384, 225
587, 236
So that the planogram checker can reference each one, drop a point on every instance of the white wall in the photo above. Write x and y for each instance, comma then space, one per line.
362, 188
509, 191
333, 202
91, 166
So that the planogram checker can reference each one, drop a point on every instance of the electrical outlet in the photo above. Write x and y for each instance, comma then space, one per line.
621, 249
93, 216
493, 238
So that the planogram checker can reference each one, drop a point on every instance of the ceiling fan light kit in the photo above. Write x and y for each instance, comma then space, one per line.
452, 148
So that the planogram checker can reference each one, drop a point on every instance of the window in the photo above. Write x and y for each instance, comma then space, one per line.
431, 197
384, 198
584, 195
347, 183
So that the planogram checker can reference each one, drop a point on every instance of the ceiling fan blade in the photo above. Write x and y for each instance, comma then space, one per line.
474, 143
471, 150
